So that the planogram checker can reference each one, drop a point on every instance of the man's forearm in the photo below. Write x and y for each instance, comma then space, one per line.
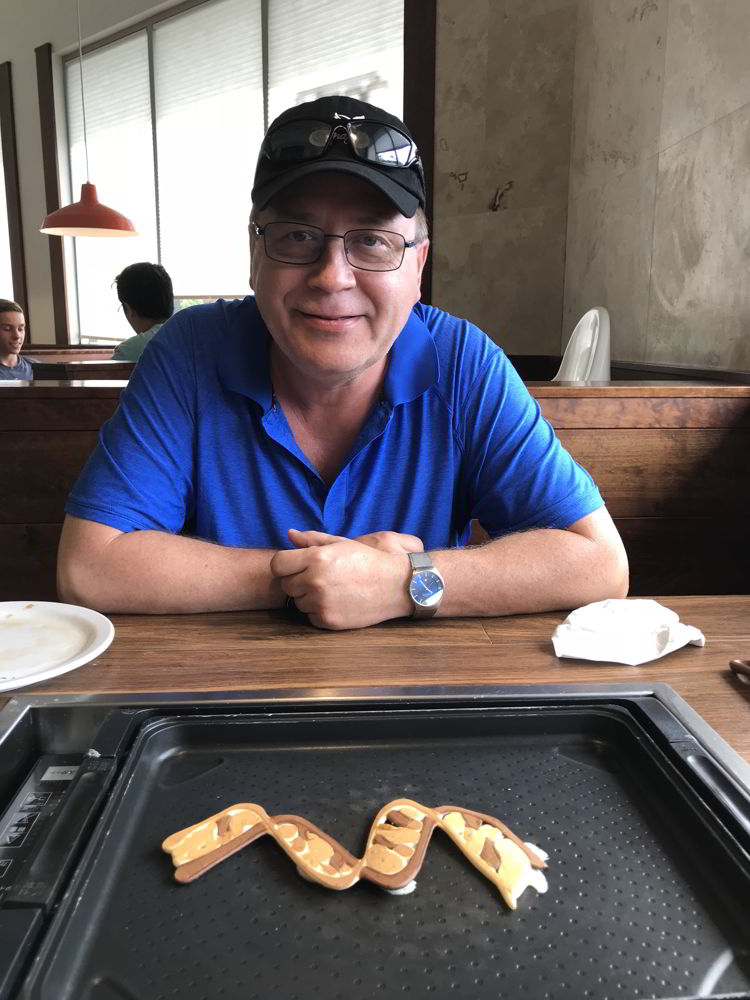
538, 570
153, 572
341, 583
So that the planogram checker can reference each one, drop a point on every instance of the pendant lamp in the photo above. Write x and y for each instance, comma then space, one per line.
86, 217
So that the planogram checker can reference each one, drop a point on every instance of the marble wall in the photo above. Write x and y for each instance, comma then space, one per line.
624, 126
659, 208
502, 157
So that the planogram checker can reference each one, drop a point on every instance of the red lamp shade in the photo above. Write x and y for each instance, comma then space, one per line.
87, 217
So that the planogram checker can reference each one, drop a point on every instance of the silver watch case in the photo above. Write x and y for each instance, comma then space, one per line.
426, 586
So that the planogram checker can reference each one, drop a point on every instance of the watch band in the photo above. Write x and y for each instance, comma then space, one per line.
421, 561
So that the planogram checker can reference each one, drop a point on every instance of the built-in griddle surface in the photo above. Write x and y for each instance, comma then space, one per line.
649, 888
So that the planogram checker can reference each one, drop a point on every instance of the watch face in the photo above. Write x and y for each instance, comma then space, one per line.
426, 588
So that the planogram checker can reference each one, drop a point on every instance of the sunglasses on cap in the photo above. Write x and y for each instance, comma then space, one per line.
309, 139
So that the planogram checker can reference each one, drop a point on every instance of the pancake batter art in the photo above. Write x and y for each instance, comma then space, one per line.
396, 846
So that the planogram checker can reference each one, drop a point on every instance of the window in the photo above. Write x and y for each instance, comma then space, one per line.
322, 47
174, 119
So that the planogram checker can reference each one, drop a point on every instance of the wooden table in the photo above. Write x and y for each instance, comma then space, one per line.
261, 651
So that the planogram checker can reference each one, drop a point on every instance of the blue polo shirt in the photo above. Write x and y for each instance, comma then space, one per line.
199, 443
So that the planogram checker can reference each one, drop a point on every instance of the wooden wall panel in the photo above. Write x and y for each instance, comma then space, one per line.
680, 555
683, 555
41, 468
48, 433
659, 473
28, 556
21, 412
672, 463
646, 390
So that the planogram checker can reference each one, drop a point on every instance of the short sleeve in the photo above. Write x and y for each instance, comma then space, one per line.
520, 474
125, 351
140, 475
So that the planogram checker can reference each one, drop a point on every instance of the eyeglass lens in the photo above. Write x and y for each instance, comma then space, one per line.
308, 139
368, 249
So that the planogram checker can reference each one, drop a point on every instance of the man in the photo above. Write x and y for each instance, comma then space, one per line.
311, 442
145, 292
12, 336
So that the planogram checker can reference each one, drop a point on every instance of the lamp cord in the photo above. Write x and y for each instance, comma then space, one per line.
83, 102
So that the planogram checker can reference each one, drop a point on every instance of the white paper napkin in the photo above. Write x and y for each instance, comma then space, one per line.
623, 631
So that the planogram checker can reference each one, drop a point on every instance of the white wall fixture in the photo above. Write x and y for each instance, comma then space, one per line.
586, 357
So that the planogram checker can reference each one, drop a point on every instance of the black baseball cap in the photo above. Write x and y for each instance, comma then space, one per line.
403, 185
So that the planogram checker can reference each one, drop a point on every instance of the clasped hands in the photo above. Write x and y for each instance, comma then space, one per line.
345, 583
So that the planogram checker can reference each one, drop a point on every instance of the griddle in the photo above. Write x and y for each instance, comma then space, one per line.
648, 835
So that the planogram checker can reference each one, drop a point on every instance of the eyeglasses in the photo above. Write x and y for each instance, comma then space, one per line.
366, 249
309, 139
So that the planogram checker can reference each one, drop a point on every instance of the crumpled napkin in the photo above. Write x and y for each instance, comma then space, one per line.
631, 631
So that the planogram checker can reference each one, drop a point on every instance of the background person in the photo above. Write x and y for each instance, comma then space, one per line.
12, 336
145, 291
312, 441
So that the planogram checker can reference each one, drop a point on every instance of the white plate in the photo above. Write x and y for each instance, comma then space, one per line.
41, 639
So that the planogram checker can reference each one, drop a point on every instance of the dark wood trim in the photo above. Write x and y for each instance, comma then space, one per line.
544, 367
536, 367
67, 351
84, 369
51, 186
13, 192
643, 370
420, 39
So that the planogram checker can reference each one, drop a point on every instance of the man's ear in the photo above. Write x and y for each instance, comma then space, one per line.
421, 250
252, 241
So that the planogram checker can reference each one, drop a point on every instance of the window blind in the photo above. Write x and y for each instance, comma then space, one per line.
208, 74
322, 47
208, 81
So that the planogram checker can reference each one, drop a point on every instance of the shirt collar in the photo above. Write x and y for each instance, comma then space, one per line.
413, 364
243, 363
244, 359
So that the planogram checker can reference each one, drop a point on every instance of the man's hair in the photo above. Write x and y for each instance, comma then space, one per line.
423, 230
146, 288
9, 306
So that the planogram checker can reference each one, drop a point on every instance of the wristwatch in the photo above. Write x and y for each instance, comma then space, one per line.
426, 586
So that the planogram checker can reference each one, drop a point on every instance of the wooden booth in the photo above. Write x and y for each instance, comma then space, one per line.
670, 459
